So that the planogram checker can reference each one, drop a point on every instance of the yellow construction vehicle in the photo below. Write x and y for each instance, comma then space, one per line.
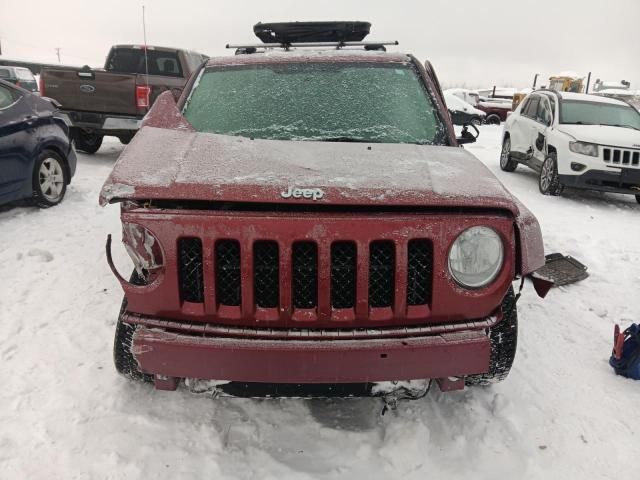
567, 84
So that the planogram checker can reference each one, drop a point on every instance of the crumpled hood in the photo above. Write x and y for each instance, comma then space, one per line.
603, 135
185, 165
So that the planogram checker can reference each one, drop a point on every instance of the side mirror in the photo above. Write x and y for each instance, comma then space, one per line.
466, 136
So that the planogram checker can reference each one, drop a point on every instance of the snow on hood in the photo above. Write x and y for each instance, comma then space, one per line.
182, 165
603, 135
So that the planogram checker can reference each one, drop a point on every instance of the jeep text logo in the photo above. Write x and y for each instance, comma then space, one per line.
313, 193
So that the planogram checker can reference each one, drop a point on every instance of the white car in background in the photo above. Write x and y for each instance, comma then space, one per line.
575, 140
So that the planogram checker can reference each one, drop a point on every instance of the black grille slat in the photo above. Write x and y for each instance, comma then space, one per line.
266, 280
228, 281
382, 265
343, 274
305, 275
190, 270
616, 156
419, 272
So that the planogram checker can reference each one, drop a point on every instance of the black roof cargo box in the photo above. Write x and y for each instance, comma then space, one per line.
301, 32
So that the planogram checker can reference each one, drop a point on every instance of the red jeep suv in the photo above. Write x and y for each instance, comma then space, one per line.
306, 216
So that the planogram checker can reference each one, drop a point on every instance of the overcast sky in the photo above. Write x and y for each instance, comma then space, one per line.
470, 42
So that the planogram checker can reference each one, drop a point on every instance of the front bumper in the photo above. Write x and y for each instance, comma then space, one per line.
169, 354
618, 180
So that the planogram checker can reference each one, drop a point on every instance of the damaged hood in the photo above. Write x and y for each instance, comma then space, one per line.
165, 164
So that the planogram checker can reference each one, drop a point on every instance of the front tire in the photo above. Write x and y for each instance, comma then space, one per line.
548, 181
50, 179
504, 342
87, 142
506, 162
477, 121
123, 359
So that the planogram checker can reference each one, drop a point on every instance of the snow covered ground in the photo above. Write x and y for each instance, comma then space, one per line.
65, 413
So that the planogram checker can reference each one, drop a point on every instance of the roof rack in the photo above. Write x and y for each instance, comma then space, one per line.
252, 48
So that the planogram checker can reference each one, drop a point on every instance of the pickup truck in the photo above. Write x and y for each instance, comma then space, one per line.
113, 100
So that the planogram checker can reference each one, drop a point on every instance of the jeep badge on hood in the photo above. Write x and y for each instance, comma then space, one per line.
292, 192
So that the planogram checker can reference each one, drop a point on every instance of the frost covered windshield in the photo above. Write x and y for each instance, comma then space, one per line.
596, 113
316, 101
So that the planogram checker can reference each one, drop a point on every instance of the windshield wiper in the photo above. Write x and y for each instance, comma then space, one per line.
619, 125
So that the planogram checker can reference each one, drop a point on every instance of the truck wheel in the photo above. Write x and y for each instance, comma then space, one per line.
504, 340
493, 119
87, 142
122, 357
548, 181
125, 139
506, 163
50, 179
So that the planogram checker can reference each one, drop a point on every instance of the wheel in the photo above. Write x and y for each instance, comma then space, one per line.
548, 181
493, 119
123, 359
504, 341
50, 179
477, 121
87, 142
125, 139
506, 163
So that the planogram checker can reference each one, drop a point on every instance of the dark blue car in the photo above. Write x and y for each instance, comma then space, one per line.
37, 160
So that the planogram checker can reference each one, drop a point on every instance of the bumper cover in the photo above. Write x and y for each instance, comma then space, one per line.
167, 354
101, 122
624, 180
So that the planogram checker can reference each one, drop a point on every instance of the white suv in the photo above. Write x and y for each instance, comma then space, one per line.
575, 140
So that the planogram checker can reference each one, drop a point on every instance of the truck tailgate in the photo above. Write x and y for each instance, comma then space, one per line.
91, 90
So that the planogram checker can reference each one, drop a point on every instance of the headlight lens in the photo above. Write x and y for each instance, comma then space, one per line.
476, 257
584, 148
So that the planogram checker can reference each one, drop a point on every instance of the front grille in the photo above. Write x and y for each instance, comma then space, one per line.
618, 156
305, 275
266, 278
419, 272
190, 269
382, 265
228, 281
343, 274
311, 282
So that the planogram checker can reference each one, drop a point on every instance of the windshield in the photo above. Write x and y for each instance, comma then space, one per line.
597, 113
316, 101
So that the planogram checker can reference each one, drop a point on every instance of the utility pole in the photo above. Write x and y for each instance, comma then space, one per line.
57, 49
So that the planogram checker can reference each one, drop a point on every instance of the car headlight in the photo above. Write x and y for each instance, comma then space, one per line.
584, 148
476, 257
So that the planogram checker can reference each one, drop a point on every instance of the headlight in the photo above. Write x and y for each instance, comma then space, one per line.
584, 148
476, 257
